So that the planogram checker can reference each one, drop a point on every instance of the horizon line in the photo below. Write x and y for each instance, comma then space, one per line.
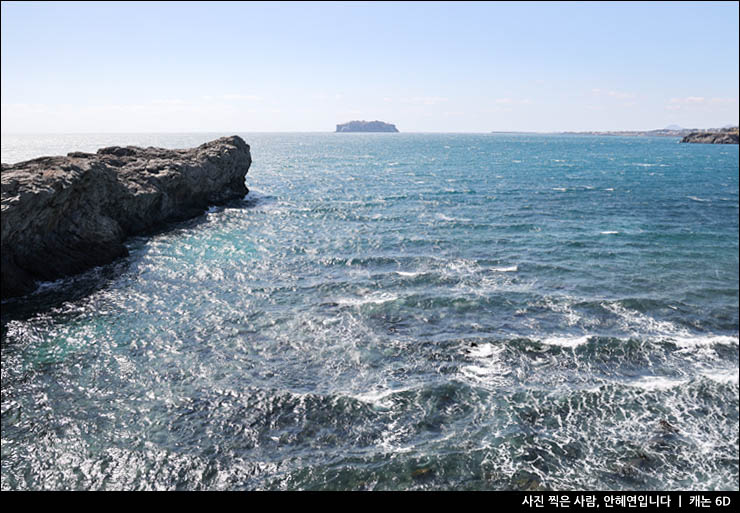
542, 132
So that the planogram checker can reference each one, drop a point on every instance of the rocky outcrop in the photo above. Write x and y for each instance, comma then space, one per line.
724, 136
366, 126
63, 215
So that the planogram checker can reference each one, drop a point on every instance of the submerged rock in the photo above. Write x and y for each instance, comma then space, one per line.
64, 215
524, 481
666, 427
422, 473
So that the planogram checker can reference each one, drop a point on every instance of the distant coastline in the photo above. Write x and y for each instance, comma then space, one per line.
726, 135
661, 132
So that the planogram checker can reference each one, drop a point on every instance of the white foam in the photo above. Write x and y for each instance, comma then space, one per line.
49, 285
641, 324
44, 286
570, 316
561, 189
690, 341
723, 376
488, 367
484, 351
566, 341
376, 298
408, 274
609, 233
657, 383
701, 200
510, 269
443, 217
379, 398
476, 371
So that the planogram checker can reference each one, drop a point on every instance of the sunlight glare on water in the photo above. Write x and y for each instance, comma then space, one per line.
397, 311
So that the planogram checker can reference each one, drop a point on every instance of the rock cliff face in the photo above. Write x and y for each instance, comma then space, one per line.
366, 126
725, 136
63, 215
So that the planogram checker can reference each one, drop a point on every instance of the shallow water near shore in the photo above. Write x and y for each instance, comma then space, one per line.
397, 311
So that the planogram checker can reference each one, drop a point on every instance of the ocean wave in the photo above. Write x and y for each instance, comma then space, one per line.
375, 298
566, 341
406, 274
657, 383
507, 269
443, 217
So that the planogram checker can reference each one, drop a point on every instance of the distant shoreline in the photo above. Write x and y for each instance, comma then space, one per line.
662, 132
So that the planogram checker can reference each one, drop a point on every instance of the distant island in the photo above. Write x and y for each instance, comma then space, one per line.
366, 126
721, 136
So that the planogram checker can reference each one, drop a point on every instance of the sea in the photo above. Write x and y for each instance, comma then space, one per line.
412, 311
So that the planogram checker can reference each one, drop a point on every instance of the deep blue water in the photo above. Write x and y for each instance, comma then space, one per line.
397, 311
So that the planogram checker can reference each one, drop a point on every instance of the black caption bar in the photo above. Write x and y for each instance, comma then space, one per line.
607, 501
449, 501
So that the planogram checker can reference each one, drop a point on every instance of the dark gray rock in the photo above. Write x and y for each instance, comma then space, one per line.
64, 215
724, 136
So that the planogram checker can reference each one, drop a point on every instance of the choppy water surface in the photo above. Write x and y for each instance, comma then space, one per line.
398, 311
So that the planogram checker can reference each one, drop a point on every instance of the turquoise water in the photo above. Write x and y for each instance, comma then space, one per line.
397, 311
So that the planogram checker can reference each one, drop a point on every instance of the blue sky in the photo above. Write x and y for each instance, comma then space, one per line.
427, 67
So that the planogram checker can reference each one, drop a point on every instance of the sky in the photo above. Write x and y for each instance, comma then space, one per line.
427, 67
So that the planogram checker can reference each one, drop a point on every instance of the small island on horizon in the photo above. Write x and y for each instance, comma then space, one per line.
366, 126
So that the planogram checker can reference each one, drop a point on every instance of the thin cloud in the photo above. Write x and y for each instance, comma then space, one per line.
688, 100
512, 101
723, 100
621, 95
425, 100
614, 93
241, 97
169, 101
